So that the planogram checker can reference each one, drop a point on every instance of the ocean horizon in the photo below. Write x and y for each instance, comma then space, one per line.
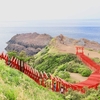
77, 32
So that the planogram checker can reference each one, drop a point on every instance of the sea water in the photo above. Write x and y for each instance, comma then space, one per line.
91, 33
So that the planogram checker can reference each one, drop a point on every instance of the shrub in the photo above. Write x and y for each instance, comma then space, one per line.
63, 74
62, 67
97, 60
73, 67
90, 49
73, 95
80, 70
84, 71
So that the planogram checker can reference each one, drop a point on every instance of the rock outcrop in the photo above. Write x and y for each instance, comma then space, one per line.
92, 45
31, 43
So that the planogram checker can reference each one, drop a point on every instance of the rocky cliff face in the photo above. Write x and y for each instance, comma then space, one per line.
31, 43
92, 45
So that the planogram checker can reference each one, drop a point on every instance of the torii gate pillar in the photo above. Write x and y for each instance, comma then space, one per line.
79, 50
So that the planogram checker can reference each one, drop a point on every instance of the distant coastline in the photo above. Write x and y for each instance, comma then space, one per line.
91, 33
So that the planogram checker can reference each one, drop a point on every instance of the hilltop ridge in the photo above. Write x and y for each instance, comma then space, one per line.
80, 42
32, 43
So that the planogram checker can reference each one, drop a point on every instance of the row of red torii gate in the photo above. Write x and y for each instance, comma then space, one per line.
55, 83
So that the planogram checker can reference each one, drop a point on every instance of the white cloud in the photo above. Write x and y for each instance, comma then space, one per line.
48, 9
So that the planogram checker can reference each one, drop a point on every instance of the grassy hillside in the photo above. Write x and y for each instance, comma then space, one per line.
14, 85
59, 64
52, 61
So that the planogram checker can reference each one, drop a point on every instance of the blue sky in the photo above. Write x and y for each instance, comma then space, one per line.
17, 12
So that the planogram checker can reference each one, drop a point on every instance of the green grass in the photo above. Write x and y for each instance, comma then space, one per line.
97, 60
50, 61
14, 85
58, 64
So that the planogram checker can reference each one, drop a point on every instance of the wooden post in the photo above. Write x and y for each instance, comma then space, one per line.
11, 61
21, 66
2, 55
57, 86
43, 80
52, 82
17, 64
33, 73
13, 64
38, 78
6, 59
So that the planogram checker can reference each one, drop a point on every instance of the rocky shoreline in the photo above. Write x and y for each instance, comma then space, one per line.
32, 43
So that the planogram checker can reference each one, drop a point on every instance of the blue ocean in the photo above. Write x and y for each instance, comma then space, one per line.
91, 33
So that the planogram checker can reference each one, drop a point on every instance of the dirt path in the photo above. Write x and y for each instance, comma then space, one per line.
72, 49
77, 77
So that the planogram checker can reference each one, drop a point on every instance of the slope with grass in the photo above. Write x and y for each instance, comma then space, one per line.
60, 64
14, 85
63, 62
59, 58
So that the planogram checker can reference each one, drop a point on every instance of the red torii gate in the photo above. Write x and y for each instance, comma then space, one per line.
92, 82
79, 50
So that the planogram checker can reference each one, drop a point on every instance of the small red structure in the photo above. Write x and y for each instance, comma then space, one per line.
79, 50
57, 84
